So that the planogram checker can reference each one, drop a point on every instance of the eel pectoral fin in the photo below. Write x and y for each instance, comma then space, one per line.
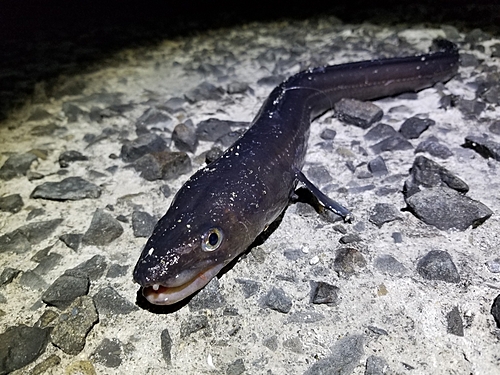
324, 200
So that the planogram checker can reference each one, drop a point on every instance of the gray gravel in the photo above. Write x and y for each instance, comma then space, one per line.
407, 288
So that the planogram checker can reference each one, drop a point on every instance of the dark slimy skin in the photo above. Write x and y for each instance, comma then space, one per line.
222, 208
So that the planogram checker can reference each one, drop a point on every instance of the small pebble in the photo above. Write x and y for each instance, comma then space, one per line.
103, 229
438, 265
11, 203
277, 300
493, 265
355, 112
71, 188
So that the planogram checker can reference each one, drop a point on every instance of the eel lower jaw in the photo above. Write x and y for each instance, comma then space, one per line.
159, 294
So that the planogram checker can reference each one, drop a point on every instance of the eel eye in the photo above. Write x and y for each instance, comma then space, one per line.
211, 240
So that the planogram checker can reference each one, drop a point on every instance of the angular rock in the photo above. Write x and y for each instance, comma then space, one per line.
434, 148
397, 237
20, 240
32, 280
108, 353
48, 263
427, 173
322, 292
166, 346
377, 166
74, 324
71, 188
143, 223
413, 127
355, 112
204, 91
163, 165
271, 343
483, 146
72, 240
37, 232
39, 255
249, 287
328, 134
108, 301
153, 118
144, 144
93, 268
16, 165
11, 203
350, 238
34, 213
384, 213
346, 354
20, 346
380, 131
491, 95
470, 108
70, 156
116, 270
65, 289
347, 261
174, 104
392, 143
438, 265
212, 129
184, 138
389, 265
103, 229
8, 274
277, 300
455, 322
446, 209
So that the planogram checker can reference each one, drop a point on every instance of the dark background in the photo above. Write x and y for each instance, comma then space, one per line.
39, 40
20, 18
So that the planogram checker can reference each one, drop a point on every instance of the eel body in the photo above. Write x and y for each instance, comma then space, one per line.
222, 208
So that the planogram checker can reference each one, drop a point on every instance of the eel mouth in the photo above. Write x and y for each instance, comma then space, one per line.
159, 294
